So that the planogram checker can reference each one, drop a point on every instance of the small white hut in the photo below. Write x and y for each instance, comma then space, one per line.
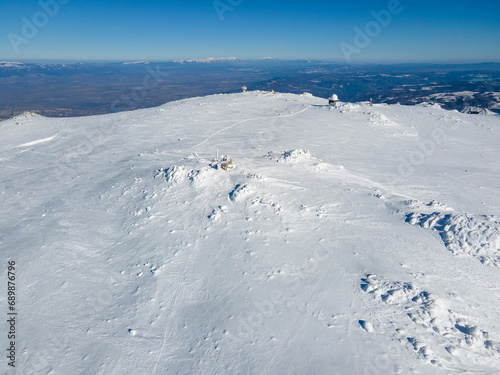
334, 99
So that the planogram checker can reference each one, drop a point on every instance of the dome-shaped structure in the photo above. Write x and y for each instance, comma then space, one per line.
334, 99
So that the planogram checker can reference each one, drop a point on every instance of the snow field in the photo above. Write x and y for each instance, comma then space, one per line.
138, 255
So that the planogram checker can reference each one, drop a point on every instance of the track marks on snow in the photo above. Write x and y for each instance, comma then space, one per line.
37, 142
247, 120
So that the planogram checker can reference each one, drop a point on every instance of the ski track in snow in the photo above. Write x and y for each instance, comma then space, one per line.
243, 121
37, 142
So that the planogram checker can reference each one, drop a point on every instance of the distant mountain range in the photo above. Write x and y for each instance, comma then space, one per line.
207, 60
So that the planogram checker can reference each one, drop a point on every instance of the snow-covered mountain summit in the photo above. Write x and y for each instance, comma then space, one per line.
354, 239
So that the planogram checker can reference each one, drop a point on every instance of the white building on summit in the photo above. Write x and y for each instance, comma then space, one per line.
334, 99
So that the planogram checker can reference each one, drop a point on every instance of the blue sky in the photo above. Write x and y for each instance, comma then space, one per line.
421, 31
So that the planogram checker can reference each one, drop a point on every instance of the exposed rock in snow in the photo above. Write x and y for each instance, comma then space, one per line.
430, 105
290, 156
477, 111
19, 119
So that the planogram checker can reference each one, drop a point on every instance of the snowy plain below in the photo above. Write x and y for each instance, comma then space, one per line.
351, 240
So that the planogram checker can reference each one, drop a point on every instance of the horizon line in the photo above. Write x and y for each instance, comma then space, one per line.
233, 60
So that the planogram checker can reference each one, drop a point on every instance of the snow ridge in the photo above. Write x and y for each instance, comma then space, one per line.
464, 234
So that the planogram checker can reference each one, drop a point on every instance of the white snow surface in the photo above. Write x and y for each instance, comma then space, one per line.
351, 240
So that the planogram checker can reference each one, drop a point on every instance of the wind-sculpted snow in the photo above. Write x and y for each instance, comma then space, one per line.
177, 174
240, 192
378, 119
431, 329
463, 234
290, 156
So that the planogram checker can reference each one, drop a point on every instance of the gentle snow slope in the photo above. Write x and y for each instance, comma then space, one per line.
350, 240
